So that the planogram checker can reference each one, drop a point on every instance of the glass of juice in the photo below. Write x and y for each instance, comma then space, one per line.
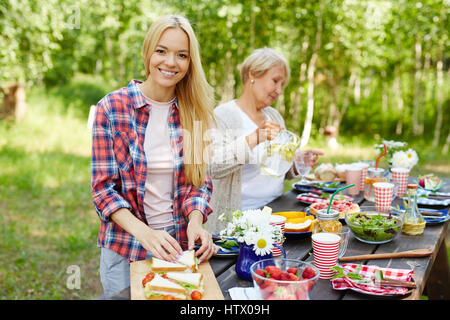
373, 175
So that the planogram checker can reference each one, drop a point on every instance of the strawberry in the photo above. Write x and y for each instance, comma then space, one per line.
269, 286
308, 273
261, 273
293, 277
293, 271
285, 276
301, 293
274, 272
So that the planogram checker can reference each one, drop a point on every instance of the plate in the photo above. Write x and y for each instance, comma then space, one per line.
432, 190
315, 186
433, 221
312, 177
225, 252
297, 235
341, 220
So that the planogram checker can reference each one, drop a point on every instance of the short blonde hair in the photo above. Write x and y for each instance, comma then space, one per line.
194, 94
261, 60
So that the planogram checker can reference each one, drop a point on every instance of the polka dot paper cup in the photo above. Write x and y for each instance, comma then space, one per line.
384, 192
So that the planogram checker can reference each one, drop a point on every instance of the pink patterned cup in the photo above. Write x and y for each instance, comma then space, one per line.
400, 176
384, 192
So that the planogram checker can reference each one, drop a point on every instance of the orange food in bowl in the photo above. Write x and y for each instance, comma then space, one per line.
291, 214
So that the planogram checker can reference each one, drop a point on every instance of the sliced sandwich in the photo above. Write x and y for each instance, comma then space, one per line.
189, 281
189, 259
159, 265
160, 288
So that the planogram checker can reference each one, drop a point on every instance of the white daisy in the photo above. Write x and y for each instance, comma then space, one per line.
263, 244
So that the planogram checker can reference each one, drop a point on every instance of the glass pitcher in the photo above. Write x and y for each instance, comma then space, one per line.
278, 154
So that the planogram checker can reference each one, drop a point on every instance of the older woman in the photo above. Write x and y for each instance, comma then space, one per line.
242, 125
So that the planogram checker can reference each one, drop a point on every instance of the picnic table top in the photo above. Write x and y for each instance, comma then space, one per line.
430, 272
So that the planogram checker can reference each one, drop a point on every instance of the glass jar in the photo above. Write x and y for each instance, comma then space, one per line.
413, 221
327, 222
373, 175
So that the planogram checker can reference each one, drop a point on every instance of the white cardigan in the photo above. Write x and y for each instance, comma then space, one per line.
231, 152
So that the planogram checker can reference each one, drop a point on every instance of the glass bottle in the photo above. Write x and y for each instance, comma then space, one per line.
413, 221
327, 222
373, 175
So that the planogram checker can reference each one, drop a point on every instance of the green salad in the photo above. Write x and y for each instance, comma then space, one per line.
373, 226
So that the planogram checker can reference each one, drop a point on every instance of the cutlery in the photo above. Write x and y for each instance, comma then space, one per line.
395, 283
403, 254
436, 214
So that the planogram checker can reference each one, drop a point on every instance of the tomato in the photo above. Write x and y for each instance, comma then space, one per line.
149, 277
196, 295
168, 297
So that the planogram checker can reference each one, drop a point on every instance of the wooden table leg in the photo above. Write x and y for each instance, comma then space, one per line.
438, 284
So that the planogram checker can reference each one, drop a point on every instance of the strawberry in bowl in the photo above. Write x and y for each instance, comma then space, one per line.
284, 279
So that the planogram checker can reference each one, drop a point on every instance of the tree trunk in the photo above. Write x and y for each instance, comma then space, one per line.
439, 96
14, 102
447, 143
311, 70
297, 101
417, 90
398, 94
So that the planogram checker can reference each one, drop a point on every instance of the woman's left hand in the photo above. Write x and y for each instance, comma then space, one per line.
196, 233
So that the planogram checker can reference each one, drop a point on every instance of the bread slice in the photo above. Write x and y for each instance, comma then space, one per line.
158, 283
187, 277
188, 259
159, 265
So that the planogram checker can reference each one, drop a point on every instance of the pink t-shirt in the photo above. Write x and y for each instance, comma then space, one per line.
158, 197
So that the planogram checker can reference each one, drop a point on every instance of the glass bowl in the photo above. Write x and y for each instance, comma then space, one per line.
270, 288
375, 227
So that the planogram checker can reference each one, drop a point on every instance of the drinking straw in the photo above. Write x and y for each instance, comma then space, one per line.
381, 155
332, 196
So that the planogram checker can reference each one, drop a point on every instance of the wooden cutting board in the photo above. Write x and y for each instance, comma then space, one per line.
139, 269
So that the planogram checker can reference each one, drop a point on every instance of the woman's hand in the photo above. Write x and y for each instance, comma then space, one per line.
196, 233
267, 131
160, 243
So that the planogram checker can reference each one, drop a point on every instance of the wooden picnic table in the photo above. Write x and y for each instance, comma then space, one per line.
431, 273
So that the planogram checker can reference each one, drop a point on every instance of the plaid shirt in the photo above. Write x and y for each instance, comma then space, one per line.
119, 169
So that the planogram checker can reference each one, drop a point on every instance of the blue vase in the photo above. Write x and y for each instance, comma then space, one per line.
247, 257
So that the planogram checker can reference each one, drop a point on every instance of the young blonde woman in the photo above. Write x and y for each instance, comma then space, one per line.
150, 185
243, 124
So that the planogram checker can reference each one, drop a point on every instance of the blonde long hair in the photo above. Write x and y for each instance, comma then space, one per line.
195, 98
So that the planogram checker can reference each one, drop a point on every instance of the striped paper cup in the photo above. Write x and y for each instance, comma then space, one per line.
278, 221
325, 252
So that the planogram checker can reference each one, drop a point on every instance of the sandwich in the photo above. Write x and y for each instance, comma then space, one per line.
189, 259
159, 265
160, 288
189, 281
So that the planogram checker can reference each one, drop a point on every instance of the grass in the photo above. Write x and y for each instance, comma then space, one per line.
47, 221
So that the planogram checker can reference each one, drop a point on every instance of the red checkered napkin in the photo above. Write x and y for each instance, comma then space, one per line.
368, 272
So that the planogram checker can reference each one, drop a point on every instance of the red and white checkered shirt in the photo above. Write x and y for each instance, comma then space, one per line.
119, 169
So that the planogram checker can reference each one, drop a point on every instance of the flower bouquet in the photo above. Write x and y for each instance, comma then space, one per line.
256, 236
396, 155
253, 228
